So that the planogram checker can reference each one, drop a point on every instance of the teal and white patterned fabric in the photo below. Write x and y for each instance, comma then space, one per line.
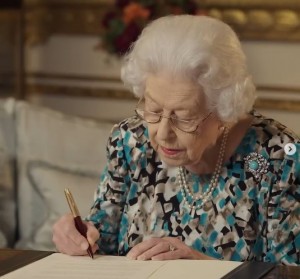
248, 218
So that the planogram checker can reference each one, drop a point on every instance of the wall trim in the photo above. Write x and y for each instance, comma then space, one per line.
99, 78
45, 85
251, 19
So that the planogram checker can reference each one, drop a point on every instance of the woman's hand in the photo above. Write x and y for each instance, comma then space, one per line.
69, 241
166, 248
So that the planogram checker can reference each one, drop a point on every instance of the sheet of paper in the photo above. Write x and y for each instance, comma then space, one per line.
60, 266
181, 269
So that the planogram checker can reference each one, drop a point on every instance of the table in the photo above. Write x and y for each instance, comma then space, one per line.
11, 259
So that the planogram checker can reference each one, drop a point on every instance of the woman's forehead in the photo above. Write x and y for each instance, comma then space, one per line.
174, 83
171, 91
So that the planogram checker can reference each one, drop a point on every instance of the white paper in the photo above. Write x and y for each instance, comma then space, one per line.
60, 266
185, 269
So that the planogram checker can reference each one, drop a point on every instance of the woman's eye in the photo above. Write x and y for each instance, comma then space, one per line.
153, 109
182, 117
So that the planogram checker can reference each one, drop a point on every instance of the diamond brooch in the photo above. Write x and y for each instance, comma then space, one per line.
256, 164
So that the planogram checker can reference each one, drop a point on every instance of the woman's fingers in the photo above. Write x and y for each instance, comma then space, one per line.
150, 248
95, 248
166, 248
157, 249
92, 233
69, 241
170, 255
142, 247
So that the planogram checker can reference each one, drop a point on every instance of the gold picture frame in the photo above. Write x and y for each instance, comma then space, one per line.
251, 19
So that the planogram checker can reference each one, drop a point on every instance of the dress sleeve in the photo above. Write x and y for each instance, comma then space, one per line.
281, 225
110, 196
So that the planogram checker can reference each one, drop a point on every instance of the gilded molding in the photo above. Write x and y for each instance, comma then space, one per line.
285, 105
40, 89
252, 19
61, 90
278, 103
44, 18
38, 82
285, 89
48, 76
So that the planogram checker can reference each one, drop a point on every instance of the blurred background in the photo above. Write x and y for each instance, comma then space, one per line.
60, 91
65, 54
10, 48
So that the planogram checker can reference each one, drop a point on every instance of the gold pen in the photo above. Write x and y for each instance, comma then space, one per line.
82, 229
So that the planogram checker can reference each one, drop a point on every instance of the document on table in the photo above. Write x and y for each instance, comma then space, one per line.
60, 266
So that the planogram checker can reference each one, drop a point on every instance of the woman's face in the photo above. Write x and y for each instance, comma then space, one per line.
185, 100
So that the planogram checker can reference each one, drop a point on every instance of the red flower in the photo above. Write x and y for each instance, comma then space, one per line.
133, 12
130, 34
124, 23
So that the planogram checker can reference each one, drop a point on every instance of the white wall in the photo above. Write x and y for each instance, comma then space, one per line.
276, 64
106, 109
271, 63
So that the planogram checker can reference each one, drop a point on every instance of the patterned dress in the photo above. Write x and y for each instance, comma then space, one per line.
252, 215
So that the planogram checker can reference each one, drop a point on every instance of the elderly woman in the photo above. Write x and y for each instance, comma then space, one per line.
196, 174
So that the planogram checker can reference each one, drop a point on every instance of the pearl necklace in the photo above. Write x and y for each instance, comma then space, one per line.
189, 198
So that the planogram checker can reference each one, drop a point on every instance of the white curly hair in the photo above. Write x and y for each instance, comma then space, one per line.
201, 48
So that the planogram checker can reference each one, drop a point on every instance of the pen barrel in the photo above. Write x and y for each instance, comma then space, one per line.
72, 203
80, 226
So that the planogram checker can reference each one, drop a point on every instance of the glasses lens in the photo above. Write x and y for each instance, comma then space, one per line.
149, 117
188, 126
185, 126
139, 113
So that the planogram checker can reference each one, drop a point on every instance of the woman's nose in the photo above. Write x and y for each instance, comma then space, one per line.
164, 129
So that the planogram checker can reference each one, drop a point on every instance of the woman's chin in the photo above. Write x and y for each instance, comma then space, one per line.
171, 161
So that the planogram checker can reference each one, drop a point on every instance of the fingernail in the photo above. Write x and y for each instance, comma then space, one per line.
96, 247
84, 245
131, 257
141, 258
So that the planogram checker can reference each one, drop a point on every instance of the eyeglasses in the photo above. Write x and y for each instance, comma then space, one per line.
187, 126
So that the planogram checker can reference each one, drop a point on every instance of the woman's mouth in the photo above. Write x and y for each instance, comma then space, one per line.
170, 152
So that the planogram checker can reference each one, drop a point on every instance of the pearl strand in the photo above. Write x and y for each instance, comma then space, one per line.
204, 197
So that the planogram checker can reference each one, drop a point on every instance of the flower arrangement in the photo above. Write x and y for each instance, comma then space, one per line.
123, 24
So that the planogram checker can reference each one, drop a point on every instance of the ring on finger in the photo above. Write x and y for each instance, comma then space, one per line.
171, 248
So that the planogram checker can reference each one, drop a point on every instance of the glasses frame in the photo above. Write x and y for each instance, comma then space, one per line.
171, 117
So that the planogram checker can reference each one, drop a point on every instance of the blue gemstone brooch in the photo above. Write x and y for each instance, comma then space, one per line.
256, 164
